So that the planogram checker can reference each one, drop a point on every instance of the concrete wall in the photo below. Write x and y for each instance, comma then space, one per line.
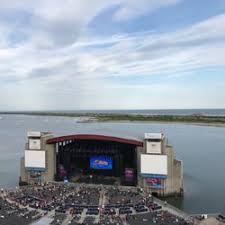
174, 181
49, 174
139, 151
23, 174
169, 181
178, 176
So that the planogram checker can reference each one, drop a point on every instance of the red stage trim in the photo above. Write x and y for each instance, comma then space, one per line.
94, 137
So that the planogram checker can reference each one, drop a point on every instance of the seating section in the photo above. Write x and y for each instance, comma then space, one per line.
156, 218
97, 180
12, 214
83, 204
58, 219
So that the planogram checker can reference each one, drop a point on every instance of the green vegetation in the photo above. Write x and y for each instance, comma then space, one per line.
162, 118
105, 117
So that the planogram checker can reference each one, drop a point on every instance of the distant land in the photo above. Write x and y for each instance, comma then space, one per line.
169, 116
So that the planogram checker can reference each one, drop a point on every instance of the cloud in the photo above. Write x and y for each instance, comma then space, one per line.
59, 21
62, 22
59, 62
145, 54
140, 54
130, 9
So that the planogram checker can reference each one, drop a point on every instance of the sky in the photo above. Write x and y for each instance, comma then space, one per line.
114, 54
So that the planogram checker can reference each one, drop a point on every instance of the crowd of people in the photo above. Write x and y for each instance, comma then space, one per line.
83, 204
161, 217
12, 214
124, 196
93, 179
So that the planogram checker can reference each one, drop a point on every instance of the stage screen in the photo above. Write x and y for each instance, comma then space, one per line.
34, 144
35, 159
101, 163
154, 164
153, 147
129, 174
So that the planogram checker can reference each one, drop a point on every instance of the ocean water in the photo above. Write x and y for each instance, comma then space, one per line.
201, 148
206, 112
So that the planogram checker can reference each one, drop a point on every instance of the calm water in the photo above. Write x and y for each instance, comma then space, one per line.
206, 112
201, 148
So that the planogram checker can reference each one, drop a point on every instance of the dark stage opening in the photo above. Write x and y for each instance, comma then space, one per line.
97, 162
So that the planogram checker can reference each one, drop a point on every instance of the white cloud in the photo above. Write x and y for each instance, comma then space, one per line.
86, 69
62, 22
140, 54
59, 21
130, 9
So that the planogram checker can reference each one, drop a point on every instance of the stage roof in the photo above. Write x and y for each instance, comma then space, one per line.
96, 138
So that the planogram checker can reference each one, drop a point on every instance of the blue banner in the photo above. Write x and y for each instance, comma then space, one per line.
153, 176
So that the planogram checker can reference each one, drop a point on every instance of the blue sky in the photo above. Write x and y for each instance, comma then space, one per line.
114, 54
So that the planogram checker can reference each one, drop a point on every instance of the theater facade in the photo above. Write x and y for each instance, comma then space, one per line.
149, 163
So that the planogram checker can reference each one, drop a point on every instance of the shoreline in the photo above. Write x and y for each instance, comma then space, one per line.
166, 122
195, 120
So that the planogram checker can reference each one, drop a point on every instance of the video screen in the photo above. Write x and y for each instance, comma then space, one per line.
154, 182
129, 174
101, 163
